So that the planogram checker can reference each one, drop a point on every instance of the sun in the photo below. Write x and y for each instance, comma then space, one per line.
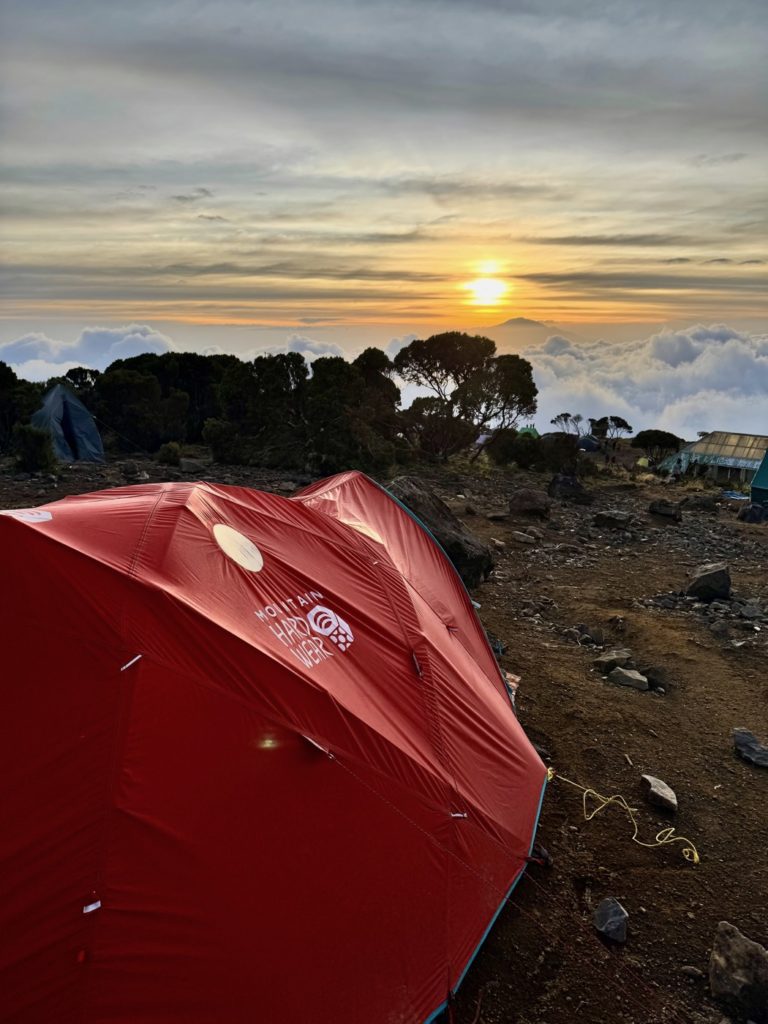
486, 291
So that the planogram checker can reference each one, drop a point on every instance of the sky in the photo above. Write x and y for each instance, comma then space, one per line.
239, 175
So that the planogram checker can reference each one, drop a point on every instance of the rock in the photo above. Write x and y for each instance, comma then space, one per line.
130, 470
628, 677
610, 919
668, 509
497, 544
749, 748
738, 972
656, 676
193, 466
522, 538
720, 629
710, 582
619, 657
658, 793
286, 485
532, 531
568, 487
473, 559
692, 972
528, 501
591, 635
610, 519
753, 514
497, 517
699, 503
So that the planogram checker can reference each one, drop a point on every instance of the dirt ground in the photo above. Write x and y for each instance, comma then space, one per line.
543, 962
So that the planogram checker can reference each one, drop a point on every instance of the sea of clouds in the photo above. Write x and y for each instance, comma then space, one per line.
701, 378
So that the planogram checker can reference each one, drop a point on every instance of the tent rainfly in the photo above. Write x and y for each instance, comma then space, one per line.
759, 493
263, 767
73, 431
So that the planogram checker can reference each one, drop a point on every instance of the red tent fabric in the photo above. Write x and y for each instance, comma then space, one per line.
259, 764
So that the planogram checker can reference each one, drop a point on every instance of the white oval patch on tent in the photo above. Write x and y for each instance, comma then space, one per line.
28, 515
238, 547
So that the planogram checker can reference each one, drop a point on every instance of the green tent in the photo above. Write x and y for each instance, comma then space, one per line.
760, 484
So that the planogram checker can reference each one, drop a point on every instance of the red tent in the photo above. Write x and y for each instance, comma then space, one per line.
259, 764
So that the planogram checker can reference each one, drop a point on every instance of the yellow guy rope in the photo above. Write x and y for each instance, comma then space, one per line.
666, 836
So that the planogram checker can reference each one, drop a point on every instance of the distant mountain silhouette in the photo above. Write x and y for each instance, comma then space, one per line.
520, 332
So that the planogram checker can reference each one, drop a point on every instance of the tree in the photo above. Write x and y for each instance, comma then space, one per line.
82, 379
432, 426
496, 397
657, 443
482, 392
444, 362
562, 421
609, 426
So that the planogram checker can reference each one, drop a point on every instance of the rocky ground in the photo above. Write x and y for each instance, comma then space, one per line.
565, 590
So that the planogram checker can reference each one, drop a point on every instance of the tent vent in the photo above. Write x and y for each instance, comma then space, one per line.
90, 907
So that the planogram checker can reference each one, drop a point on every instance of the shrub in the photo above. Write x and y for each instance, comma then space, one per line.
34, 451
169, 454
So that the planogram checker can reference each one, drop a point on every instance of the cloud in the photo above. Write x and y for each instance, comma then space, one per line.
308, 347
194, 196
713, 160
398, 344
706, 377
35, 356
629, 240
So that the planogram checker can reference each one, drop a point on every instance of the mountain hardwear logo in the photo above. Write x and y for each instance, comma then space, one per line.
327, 623
311, 631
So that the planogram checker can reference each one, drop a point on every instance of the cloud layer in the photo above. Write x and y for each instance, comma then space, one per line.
703, 378
37, 357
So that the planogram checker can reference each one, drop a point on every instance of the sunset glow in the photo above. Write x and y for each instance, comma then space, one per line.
487, 291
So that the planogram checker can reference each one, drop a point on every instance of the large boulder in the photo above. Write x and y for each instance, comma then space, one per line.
710, 582
753, 513
568, 487
738, 972
472, 558
529, 501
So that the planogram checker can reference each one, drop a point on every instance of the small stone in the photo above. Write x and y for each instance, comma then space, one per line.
522, 538
499, 545
610, 919
628, 677
691, 972
749, 748
611, 519
738, 971
720, 629
658, 793
619, 657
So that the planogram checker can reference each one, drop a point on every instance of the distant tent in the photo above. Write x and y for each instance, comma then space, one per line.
529, 432
587, 443
73, 431
760, 484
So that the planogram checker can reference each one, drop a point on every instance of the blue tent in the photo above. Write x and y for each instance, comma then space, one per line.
760, 484
72, 428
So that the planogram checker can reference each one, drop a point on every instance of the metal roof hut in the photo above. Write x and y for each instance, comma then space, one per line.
721, 456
